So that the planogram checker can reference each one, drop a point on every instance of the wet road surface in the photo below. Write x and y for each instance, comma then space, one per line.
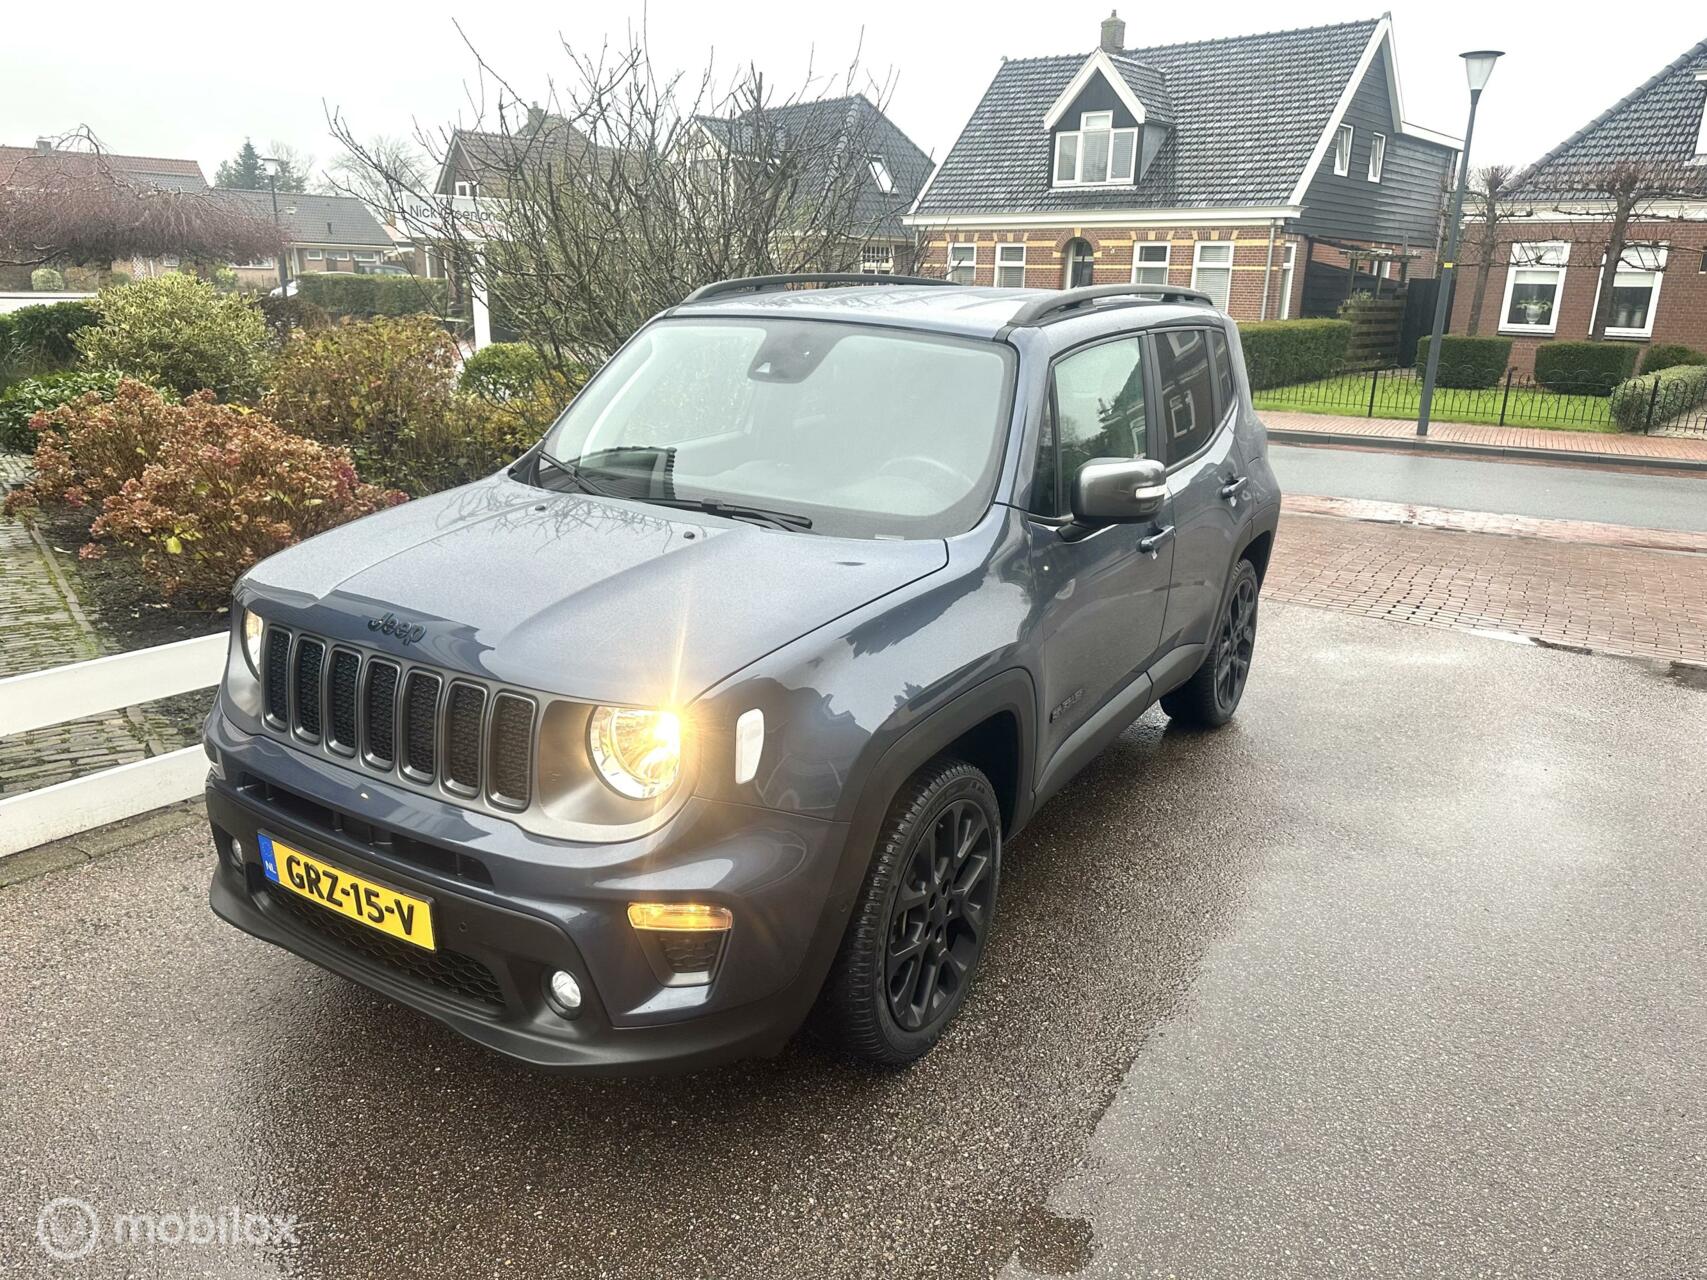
1647, 501
1401, 974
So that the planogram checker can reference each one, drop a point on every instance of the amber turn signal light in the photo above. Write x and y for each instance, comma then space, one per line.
680, 917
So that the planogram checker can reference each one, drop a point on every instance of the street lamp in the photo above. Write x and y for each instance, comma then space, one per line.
1478, 66
274, 165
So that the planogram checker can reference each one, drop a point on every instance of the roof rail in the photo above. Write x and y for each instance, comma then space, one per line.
1065, 301
759, 284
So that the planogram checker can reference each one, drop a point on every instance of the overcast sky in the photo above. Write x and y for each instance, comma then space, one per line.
175, 79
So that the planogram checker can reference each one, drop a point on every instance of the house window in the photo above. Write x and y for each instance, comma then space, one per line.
1635, 291
365, 256
1534, 283
962, 262
880, 175
1212, 270
1010, 266
314, 255
1286, 265
259, 264
1096, 154
877, 259
468, 188
336, 255
1342, 150
1150, 263
1377, 155
1701, 138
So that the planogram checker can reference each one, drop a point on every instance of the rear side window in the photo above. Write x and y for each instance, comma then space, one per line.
1188, 392
1096, 410
1224, 392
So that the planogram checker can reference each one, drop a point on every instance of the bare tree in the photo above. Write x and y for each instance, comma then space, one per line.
1491, 211
1635, 191
627, 189
69, 204
350, 174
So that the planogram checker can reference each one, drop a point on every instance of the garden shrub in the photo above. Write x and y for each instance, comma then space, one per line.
1584, 368
385, 390
44, 337
283, 315
362, 297
179, 332
46, 280
1467, 362
1280, 352
86, 449
220, 498
7, 328
1666, 394
501, 371
1668, 355
22, 401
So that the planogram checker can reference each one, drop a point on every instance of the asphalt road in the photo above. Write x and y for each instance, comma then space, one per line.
1645, 500
1401, 974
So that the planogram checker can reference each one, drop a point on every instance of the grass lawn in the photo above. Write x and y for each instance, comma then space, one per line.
1399, 397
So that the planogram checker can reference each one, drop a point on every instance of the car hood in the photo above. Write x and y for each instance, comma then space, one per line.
570, 593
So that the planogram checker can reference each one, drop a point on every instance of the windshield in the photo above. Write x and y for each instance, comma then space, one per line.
863, 431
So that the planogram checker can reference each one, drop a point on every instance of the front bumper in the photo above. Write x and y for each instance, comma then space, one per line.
509, 908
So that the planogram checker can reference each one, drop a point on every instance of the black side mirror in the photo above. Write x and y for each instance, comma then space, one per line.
1119, 491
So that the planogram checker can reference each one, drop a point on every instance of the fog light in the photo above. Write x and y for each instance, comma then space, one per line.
236, 853
694, 917
565, 993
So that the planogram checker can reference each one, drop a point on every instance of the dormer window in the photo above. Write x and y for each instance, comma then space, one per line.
1701, 138
1096, 154
880, 175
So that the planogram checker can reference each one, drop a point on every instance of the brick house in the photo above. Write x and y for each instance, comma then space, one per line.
1546, 266
1275, 172
321, 233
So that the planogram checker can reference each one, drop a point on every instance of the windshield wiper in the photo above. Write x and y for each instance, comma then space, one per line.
736, 511
574, 473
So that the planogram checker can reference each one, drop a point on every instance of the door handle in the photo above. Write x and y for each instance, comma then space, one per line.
1149, 546
1233, 488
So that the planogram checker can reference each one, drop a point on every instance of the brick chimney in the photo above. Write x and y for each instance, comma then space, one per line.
44, 146
1113, 33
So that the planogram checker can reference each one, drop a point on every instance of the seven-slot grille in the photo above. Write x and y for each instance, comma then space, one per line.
430, 727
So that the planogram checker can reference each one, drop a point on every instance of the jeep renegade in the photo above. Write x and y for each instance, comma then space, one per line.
720, 705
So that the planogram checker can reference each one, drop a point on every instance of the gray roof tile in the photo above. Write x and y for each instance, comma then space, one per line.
1246, 113
316, 219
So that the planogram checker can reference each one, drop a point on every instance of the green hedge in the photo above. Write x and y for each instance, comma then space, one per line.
1668, 355
1281, 352
23, 400
1584, 368
42, 335
1665, 395
7, 325
341, 294
1467, 362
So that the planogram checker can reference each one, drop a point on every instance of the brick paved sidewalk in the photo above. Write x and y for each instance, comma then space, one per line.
1612, 599
1589, 445
41, 626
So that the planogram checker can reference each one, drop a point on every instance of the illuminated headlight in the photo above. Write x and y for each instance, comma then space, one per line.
252, 625
638, 753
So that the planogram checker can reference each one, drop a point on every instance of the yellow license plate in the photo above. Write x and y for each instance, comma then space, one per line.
365, 901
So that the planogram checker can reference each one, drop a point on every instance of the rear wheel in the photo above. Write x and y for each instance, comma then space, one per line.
922, 919
1212, 695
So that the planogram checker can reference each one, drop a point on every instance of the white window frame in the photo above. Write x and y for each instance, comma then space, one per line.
365, 255
259, 264
1343, 137
1660, 253
1533, 256
337, 255
877, 259
313, 255
468, 189
1701, 138
881, 176
970, 264
1153, 247
1198, 266
1073, 142
1377, 155
1005, 261
1288, 263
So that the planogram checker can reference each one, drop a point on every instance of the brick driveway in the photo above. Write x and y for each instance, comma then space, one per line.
1613, 599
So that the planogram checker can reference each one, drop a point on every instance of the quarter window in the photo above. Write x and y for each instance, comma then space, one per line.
1212, 270
1096, 411
1150, 263
1010, 266
1187, 390
1342, 150
962, 262
1224, 392
1534, 283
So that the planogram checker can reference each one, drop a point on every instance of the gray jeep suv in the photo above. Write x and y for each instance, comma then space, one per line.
719, 706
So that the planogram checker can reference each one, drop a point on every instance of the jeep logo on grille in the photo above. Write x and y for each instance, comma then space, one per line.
391, 625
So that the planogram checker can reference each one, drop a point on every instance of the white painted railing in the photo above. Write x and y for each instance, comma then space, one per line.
38, 699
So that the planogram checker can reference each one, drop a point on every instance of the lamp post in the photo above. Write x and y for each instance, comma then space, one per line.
273, 167
1478, 66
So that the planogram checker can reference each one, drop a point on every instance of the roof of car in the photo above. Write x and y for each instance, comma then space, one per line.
974, 311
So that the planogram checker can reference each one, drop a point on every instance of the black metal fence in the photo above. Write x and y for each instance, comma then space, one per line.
1670, 406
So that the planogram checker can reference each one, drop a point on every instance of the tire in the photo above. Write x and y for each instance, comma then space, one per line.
884, 1003
1209, 699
